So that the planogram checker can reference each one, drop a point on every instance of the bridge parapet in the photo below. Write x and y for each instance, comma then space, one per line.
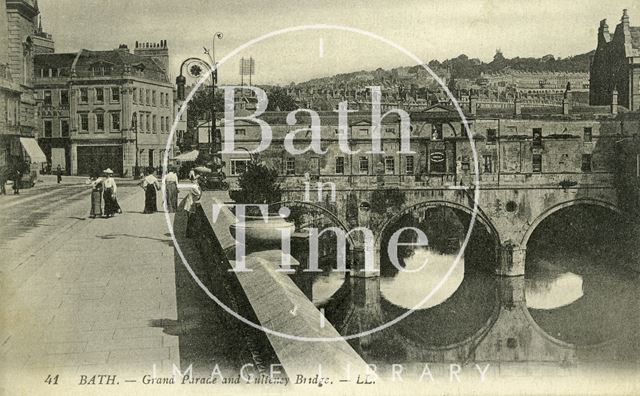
512, 212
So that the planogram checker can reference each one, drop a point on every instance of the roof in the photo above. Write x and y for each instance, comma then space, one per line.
635, 36
118, 62
577, 111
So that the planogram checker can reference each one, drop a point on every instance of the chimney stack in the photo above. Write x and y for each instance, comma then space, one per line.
625, 18
603, 33
473, 103
158, 51
566, 100
517, 107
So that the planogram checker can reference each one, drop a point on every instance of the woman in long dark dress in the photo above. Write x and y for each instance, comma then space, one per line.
96, 197
111, 206
150, 185
171, 187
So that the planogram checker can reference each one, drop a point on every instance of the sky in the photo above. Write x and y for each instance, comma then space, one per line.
430, 29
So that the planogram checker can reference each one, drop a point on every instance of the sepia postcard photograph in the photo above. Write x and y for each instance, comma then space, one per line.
421, 197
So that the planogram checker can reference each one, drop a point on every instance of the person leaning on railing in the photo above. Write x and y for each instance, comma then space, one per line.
189, 205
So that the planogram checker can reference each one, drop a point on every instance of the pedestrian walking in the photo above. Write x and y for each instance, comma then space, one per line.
150, 184
59, 174
171, 190
17, 177
3, 181
189, 205
96, 196
111, 206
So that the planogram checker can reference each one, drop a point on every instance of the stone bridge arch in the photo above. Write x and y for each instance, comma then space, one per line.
324, 210
480, 219
531, 227
514, 251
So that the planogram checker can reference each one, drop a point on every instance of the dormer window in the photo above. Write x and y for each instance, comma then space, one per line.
101, 69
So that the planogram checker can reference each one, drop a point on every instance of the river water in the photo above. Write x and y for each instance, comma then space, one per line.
577, 301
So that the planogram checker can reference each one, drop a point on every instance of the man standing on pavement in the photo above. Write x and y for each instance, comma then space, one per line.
17, 175
3, 181
59, 173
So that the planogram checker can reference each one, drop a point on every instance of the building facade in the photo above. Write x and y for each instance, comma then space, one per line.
519, 146
21, 37
105, 109
616, 65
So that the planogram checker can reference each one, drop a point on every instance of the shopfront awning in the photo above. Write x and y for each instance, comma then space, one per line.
188, 156
33, 150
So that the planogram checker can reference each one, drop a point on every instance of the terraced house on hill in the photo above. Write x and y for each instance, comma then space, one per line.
105, 109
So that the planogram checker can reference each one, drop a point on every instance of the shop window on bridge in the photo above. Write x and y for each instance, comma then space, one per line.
537, 163
488, 164
492, 136
588, 136
389, 165
465, 164
290, 166
238, 166
340, 165
409, 170
364, 165
586, 163
537, 138
437, 159
463, 130
436, 132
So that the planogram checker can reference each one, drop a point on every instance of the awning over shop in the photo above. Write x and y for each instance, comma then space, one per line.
189, 156
33, 150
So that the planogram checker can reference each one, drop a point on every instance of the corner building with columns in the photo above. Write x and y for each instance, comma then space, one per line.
105, 109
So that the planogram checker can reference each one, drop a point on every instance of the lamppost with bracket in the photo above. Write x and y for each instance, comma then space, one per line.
196, 65
134, 127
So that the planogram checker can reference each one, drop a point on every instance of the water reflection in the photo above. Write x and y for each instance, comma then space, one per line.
578, 287
423, 271
579, 295
550, 287
325, 285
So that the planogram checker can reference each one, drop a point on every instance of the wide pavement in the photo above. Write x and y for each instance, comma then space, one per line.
84, 295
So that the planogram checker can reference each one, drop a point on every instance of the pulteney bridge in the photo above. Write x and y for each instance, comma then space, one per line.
510, 211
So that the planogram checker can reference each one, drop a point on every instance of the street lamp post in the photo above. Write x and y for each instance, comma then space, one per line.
134, 126
214, 80
195, 70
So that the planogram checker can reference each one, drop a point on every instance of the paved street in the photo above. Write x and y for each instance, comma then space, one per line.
84, 294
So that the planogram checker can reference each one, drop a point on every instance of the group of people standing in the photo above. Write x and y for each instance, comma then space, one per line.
104, 188
151, 186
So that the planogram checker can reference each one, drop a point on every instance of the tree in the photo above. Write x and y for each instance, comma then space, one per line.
279, 99
258, 184
199, 107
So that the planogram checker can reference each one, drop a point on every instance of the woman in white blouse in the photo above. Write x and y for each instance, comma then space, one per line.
150, 185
